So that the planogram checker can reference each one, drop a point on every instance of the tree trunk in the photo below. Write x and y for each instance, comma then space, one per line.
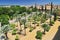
6, 36
25, 26
34, 26
55, 16
24, 31
44, 31
50, 20
20, 27
30, 23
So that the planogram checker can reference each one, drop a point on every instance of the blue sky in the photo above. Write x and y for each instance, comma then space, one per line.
27, 2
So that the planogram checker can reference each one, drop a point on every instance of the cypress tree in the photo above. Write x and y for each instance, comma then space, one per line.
45, 11
51, 12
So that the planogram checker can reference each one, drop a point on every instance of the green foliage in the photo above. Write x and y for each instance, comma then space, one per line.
43, 20
12, 26
4, 10
14, 32
31, 29
46, 27
23, 21
5, 28
34, 9
11, 11
52, 22
29, 11
34, 17
29, 19
16, 37
40, 14
39, 35
4, 19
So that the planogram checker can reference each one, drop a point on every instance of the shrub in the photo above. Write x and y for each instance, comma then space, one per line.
14, 32
16, 37
34, 22
43, 20
12, 26
47, 28
52, 22
31, 29
39, 35
37, 24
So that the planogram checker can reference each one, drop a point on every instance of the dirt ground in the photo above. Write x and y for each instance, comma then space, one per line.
31, 35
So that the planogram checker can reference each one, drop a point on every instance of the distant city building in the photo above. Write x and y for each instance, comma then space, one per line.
48, 6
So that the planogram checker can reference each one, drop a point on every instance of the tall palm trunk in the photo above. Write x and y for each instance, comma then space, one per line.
25, 26
30, 23
20, 27
34, 26
44, 31
19, 20
6, 36
24, 29
30, 20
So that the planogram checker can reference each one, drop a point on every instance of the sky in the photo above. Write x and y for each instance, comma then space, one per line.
27, 2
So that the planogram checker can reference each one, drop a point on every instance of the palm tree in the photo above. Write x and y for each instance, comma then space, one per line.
35, 19
5, 30
39, 35
19, 19
24, 22
29, 19
44, 26
43, 18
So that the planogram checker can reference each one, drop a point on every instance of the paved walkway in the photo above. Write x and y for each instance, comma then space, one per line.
50, 35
